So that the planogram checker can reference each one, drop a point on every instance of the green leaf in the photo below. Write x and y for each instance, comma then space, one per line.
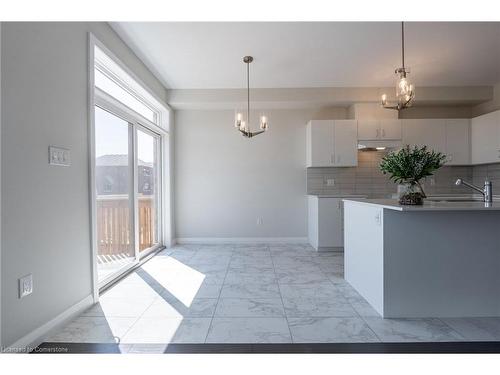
410, 165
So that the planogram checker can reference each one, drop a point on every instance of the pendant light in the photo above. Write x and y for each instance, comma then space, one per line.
242, 124
405, 91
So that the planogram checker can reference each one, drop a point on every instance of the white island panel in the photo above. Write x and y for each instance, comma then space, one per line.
363, 250
432, 263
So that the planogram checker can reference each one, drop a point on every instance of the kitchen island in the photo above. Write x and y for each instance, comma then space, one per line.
441, 259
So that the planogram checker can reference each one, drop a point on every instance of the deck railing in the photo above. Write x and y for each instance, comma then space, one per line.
113, 224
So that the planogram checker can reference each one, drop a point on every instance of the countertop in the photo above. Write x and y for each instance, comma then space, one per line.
353, 196
430, 205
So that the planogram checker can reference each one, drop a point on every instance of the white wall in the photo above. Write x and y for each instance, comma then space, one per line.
45, 209
224, 182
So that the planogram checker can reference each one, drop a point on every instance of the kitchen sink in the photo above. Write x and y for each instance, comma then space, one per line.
449, 200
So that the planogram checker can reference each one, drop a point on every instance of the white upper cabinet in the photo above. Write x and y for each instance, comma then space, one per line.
320, 143
449, 136
458, 144
485, 142
369, 130
428, 132
346, 143
332, 143
390, 129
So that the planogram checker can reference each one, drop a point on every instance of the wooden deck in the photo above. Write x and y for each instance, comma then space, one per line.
114, 227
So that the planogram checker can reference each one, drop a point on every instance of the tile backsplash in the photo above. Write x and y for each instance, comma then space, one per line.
367, 179
491, 172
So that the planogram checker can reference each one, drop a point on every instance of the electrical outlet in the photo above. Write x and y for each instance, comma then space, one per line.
432, 181
260, 221
330, 182
25, 285
59, 156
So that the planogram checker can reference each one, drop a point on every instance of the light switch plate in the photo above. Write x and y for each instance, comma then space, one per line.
59, 156
25, 285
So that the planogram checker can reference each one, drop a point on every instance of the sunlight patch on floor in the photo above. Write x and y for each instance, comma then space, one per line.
181, 281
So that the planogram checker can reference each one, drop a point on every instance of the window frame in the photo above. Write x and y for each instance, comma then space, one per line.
99, 98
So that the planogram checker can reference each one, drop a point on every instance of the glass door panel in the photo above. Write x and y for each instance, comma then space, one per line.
113, 177
147, 189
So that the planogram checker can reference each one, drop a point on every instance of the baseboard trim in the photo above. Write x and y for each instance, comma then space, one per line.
230, 240
323, 249
27, 343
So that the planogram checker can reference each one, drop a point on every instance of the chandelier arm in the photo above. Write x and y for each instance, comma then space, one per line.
391, 107
257, 133
406, 104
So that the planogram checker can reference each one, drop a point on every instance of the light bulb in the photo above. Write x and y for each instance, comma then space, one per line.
403, 86
237, 120
384, 99
263, 122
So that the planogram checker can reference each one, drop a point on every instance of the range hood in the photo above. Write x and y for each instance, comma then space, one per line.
379, 145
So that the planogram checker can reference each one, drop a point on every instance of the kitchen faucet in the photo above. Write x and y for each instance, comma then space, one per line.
486, 190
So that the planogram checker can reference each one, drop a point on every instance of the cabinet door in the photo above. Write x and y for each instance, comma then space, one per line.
346, 143
428, 132
390, 129
330, 222
484, 138
368, 129
457, 142
320, 143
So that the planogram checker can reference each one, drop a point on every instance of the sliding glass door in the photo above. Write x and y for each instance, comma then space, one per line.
114, 194
127, 185
148, 188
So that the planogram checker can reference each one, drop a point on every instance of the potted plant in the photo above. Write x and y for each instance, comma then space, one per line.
408, 166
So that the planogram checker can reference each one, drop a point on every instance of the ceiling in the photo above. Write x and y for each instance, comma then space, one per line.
305, 54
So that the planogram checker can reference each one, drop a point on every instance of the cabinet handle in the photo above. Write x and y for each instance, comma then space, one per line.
331, 159
383, 133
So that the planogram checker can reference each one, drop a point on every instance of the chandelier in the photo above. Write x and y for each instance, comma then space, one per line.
239, 121
405, 92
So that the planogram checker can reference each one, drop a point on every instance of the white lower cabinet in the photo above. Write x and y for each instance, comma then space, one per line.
325, 223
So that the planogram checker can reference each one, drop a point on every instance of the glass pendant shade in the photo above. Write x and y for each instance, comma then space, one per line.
405, 91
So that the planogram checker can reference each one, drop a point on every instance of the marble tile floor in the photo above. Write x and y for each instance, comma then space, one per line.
285, 293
